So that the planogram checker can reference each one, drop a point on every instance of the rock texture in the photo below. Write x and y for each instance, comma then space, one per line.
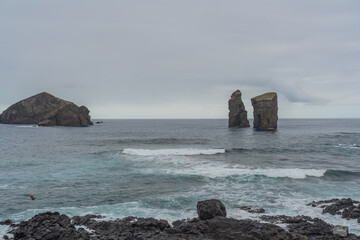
340, 231
210, 208
252, 210
237, 114
48, 226
311, 228
346, 207
46, 110
265, 111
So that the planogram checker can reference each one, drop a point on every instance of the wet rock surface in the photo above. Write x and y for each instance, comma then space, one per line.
210, 208
346, 207
45, 109
340, 231
53, 226
237, 113
6, 222
265, 111
252, 210
312, 228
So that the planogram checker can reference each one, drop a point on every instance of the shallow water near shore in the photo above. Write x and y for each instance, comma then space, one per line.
161, 168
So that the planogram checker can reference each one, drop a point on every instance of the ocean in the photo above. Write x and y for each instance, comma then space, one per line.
161, 168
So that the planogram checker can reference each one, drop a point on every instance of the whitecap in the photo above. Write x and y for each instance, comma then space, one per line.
5, 186
348, 146
177, 152
216, 171
27, 126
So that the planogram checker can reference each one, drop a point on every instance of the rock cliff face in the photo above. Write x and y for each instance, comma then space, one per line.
237, 114
46, 110
265, 111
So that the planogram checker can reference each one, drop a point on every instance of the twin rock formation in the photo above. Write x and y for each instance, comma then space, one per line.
265, 111
46, 110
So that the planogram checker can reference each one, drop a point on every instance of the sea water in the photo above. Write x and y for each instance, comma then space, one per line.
161, 168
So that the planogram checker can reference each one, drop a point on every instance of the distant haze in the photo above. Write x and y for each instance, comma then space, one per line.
183, 59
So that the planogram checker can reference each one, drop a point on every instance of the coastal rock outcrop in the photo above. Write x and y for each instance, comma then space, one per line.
237, 112
46, 110
310, 228
265, 111
346, 207
94, 227
210, 208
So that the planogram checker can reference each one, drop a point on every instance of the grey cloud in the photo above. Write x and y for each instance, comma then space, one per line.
177, 53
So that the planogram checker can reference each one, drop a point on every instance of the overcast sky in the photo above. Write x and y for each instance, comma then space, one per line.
184, 58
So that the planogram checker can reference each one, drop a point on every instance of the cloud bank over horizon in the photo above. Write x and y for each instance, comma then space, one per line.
183, 59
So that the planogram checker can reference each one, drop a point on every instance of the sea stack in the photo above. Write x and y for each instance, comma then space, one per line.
46, 110
265, 111
237, 114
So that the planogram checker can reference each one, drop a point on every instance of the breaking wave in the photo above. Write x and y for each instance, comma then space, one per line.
216, 171
177, 152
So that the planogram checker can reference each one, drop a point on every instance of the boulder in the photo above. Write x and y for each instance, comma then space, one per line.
237, 112
265, 111
46, 110
340, 231
210, 208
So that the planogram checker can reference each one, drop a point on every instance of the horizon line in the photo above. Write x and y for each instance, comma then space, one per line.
219, 118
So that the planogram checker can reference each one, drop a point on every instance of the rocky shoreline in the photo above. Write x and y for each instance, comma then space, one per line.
211, 223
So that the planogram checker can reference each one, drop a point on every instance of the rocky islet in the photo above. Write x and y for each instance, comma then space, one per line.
45, 109
265, 111
237, 113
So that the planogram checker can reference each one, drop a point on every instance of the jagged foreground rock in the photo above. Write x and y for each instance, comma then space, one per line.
237, 112
216, 226
346, 207
46, 110
265, 111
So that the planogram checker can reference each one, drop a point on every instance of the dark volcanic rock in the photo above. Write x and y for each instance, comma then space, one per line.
55, 226
237, 114
46, 110
210, 208
265, 111
252, 210
312, 228
346, 207
6, 222
227, 228
49, 225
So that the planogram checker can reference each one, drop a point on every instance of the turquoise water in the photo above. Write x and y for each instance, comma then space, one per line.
161, 168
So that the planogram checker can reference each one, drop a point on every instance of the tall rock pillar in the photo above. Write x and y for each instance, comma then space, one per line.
265, 111
237, 114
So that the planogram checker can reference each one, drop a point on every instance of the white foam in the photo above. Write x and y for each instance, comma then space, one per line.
111, 212
5, 186
27, 126
178, 152
348, 146
217, 171
3, 231
85, 228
